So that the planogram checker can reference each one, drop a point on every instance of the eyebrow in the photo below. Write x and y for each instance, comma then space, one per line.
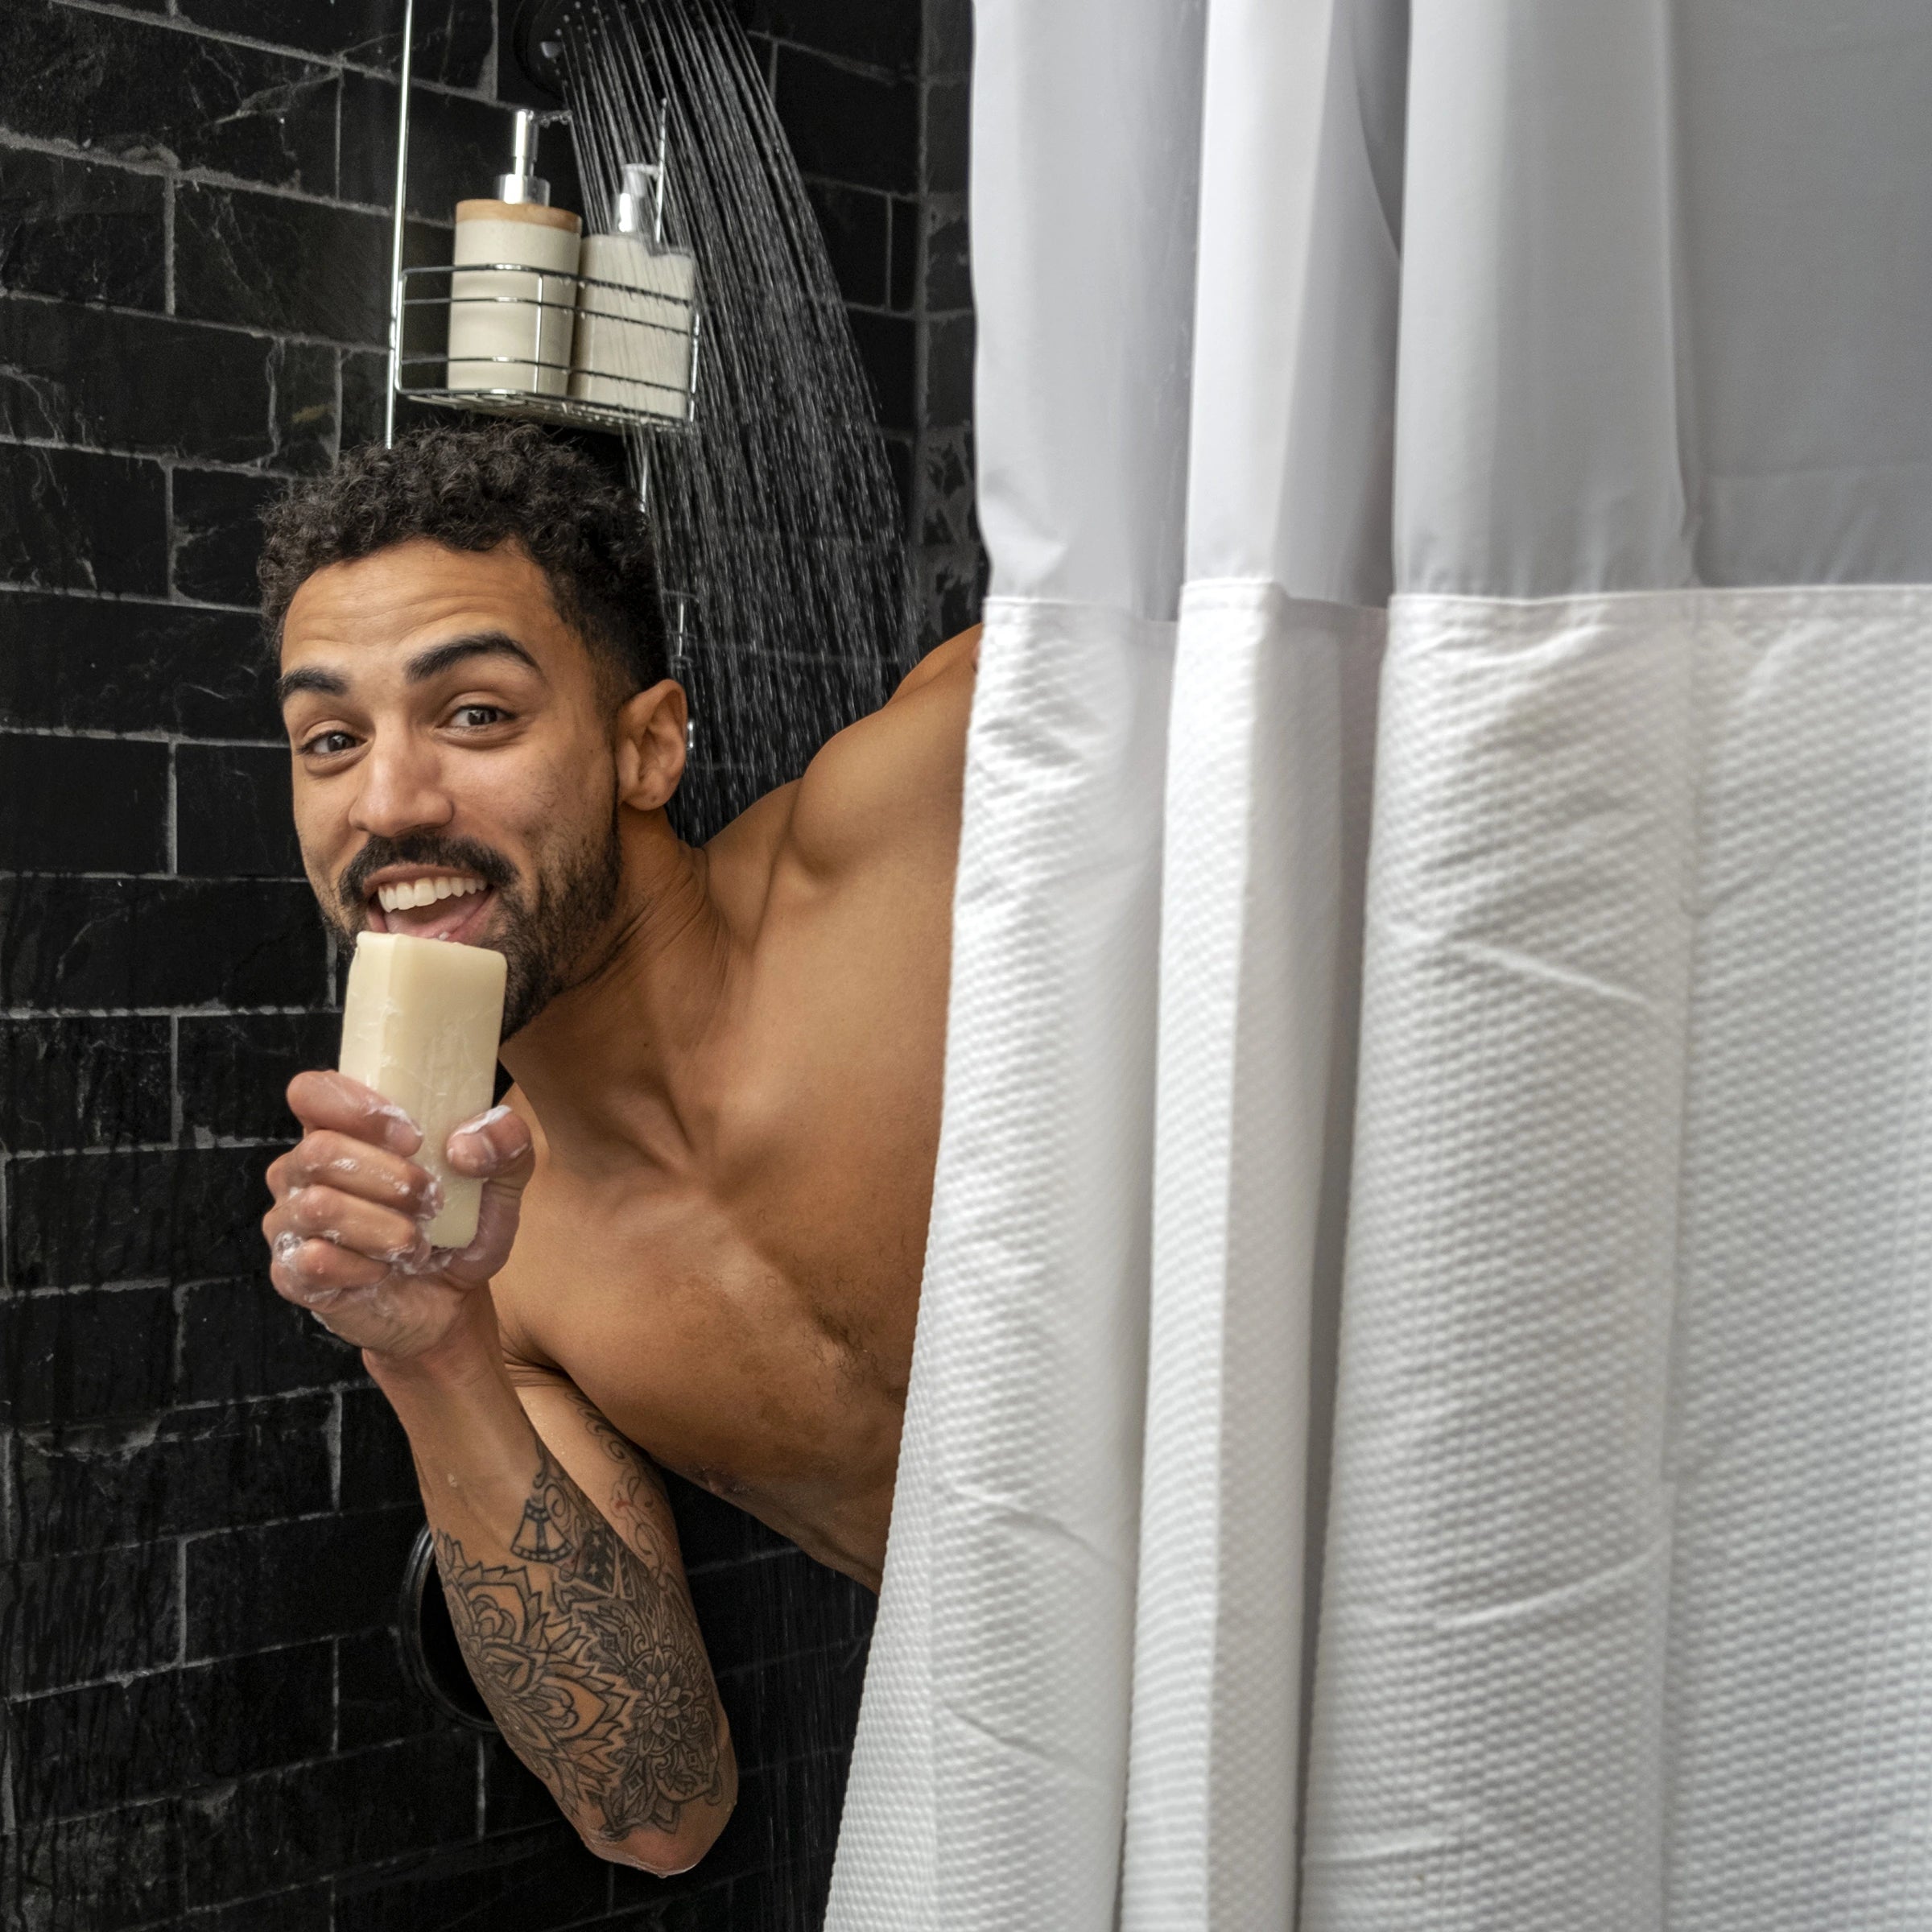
423, 666
439, 657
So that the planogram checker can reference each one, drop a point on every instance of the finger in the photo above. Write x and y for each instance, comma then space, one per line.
495, 1147
326, 1159
334, 1100
314, 1272
381, 1233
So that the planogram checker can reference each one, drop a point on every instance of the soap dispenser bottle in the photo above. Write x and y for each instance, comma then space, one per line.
509, 326
636, 308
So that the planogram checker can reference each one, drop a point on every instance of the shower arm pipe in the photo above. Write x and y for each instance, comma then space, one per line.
395, 239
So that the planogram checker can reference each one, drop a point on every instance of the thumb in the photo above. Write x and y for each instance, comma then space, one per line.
495, 1148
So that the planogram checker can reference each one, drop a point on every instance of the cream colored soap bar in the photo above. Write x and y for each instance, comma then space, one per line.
420, 1024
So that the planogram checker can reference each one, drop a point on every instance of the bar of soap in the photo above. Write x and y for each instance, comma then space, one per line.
420, 1024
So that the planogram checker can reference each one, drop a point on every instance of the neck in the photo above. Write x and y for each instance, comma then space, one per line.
609, 1065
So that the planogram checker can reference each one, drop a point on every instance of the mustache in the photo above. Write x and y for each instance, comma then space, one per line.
421, 848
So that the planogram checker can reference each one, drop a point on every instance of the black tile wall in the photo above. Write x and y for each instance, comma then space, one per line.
204, 1504
90, 233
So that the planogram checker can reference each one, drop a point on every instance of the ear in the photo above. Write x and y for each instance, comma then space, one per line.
650, 745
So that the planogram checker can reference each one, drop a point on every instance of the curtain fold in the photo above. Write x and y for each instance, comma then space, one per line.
1451, 782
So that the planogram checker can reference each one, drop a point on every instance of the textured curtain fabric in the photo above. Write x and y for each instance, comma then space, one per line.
1440, 1070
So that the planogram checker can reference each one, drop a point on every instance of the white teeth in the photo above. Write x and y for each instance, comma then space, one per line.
424, 892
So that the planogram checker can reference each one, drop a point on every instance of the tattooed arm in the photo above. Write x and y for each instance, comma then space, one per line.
573, 1614
558, 1558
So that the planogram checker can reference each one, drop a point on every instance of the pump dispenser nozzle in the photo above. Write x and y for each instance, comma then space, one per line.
522, 184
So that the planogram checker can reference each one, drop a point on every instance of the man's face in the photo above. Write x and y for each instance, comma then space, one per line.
455, 775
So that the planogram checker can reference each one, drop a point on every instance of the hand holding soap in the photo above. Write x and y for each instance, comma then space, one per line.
420, 1024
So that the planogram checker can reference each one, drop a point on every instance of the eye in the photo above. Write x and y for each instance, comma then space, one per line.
477, 717
326, 744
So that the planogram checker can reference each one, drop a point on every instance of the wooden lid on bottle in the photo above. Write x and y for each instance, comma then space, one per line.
519, 211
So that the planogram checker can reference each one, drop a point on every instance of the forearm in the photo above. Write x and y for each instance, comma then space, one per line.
580, 1634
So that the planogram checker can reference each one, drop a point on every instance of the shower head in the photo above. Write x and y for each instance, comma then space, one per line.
537, 40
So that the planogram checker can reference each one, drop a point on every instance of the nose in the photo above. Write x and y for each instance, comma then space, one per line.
401, 790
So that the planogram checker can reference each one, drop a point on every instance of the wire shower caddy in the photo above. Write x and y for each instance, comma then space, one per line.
662, 406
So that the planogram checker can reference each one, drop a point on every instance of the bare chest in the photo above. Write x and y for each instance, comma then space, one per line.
753, 1345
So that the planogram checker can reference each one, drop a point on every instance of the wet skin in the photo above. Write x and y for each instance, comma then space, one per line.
706, 1206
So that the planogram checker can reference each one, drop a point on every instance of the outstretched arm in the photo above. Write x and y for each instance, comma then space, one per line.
558, 1554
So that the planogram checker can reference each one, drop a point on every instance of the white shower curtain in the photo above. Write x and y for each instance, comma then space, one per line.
1542, 395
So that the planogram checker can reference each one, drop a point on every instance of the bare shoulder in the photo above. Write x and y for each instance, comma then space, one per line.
891, 781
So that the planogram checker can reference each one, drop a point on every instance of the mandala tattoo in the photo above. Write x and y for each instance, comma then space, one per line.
587, 1653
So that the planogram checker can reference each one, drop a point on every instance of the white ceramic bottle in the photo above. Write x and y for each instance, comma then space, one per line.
636, 308
512, 330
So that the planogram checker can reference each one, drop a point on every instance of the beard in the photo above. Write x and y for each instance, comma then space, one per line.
554, 934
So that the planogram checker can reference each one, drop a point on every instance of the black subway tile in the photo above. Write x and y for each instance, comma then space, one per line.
149, 91
77, 521
304, 1908
949, 373
235, 1068
948, 260
378, 1471
217, 534
453, 37
72, 1358
948, 136
83, 1083
233, 815
514, 1798
239, 1338
802, 1705
886, 346
899, 460
107, 664
854, 222
775, 1606
82, 804
74, 1620
159, 387
907, 233
332, 1816
878, 33
534, 1880
182, 1473
851, 126
159, 942
948, 50
458, 147
952, 590
108, 1873
107, 1744
286, 1583
946, 488
178, 1214
711, 1531
375, 1703
78, 229
268, 262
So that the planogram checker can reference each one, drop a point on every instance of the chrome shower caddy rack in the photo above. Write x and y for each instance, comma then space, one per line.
519, 394
522, 393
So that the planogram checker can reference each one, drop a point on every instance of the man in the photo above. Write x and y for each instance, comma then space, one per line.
706, 1195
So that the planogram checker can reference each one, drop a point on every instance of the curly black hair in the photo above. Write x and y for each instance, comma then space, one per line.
472, 488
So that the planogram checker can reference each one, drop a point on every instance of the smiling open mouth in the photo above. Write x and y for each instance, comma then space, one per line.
429, 904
